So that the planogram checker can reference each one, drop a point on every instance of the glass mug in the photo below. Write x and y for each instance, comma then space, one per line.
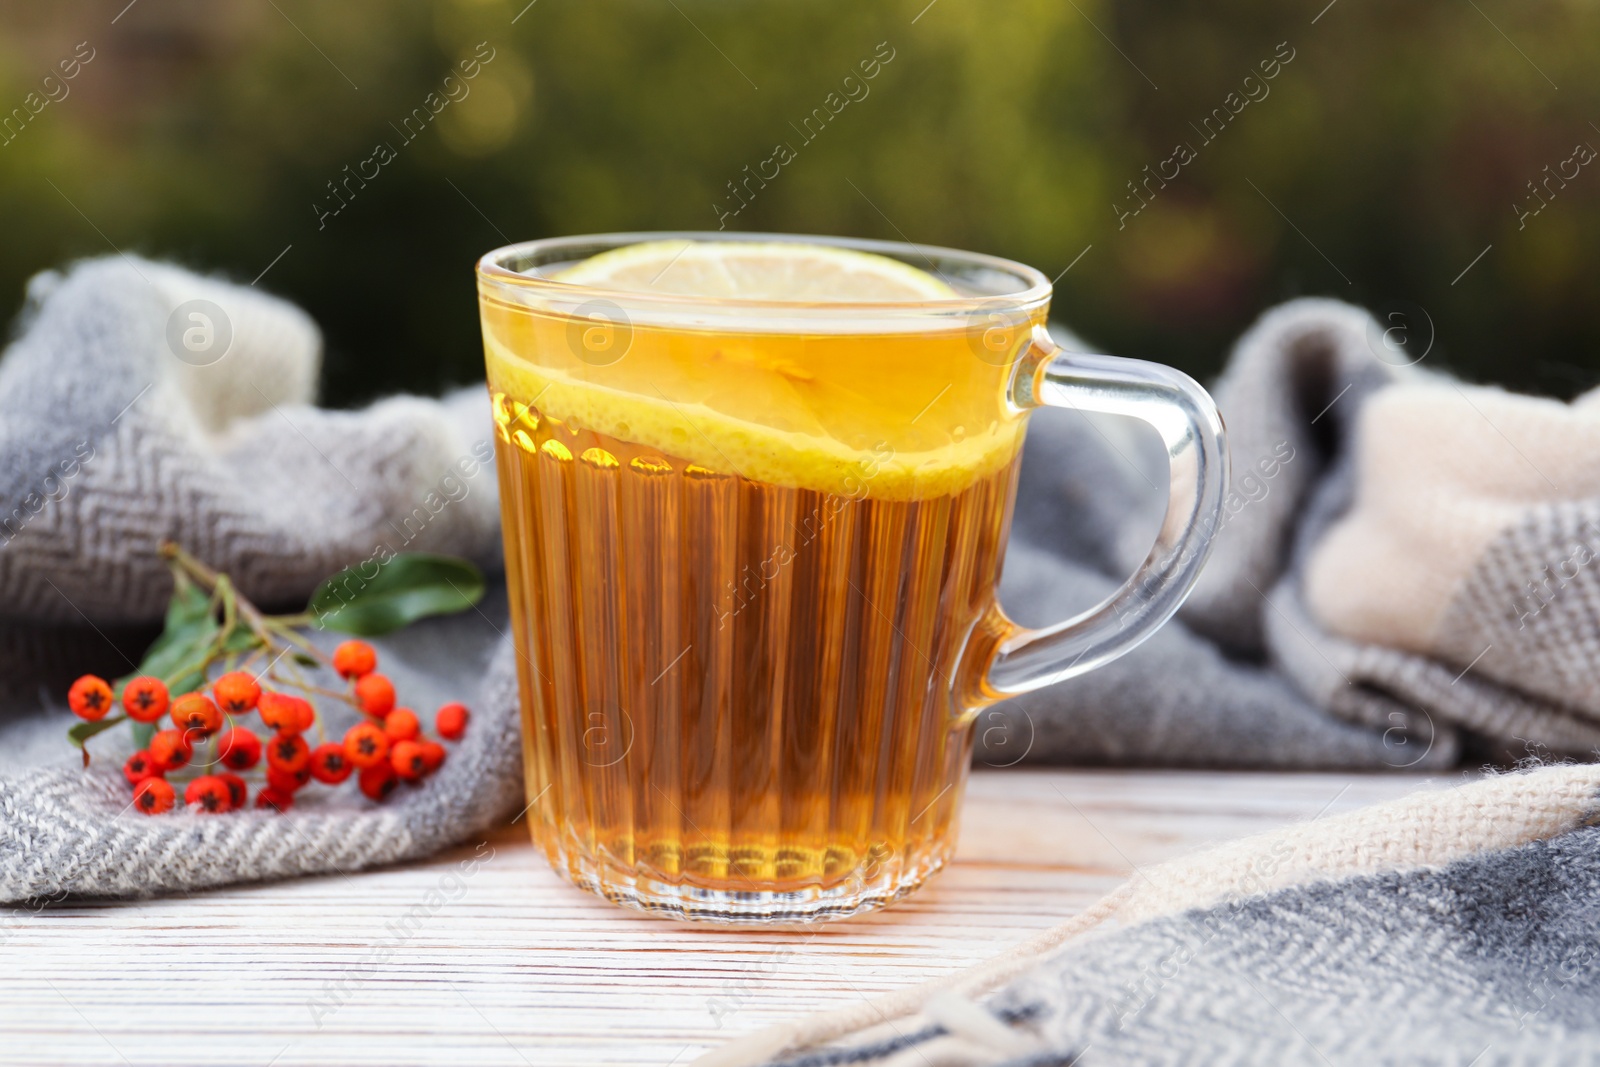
752, 549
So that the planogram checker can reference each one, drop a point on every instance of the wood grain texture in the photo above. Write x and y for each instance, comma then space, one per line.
484, 956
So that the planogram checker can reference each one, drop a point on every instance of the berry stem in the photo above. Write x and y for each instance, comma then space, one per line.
283, 626
234, 606
310, 687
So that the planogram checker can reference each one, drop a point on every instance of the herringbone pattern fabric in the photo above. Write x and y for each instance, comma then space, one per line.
1488, 961
113, 443
1405, 570
279, 492
1531, 608
1451, 927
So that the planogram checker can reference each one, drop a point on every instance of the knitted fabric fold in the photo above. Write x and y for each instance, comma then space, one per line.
1451, 926
142, 403
117, 437
1403, 571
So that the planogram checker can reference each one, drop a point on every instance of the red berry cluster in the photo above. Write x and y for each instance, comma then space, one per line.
389, 747
386, 749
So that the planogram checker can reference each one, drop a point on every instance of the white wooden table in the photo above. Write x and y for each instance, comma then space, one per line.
508, 964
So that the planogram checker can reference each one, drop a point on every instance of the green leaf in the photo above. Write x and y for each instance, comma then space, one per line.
142, 733
189, 609
186, 652
242, 639
411, 586
190, 628
81, 732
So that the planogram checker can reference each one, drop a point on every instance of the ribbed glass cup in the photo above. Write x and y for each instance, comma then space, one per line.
752, 550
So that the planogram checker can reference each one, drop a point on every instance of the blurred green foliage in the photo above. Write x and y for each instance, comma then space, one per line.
1394, 147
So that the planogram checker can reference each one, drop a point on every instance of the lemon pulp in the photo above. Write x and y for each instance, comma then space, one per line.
756, 270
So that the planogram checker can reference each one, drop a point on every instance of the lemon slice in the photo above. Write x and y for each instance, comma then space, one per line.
892, 414
756, 270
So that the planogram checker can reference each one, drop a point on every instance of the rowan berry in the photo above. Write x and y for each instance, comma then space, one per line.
375, 694
237, 792
237, 692
275, 799
208, 794
280, 711
329, 764
288, 752
307, 713
239, 749
89, 698
433, 752
354, 659
196, 714
408, 761
451, 721
365, 745
145, 699
287, 781
379, 780
139, 767
154, 796
401, 724
170, 749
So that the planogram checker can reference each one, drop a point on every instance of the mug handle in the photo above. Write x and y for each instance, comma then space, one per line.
1019, 660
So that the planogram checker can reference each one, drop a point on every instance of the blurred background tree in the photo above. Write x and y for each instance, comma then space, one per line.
1394, 147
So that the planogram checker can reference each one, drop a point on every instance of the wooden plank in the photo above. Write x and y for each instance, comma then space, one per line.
485, 956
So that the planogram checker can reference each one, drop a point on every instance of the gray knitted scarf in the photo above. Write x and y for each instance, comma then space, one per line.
121, 428
117, 436
1451, 927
